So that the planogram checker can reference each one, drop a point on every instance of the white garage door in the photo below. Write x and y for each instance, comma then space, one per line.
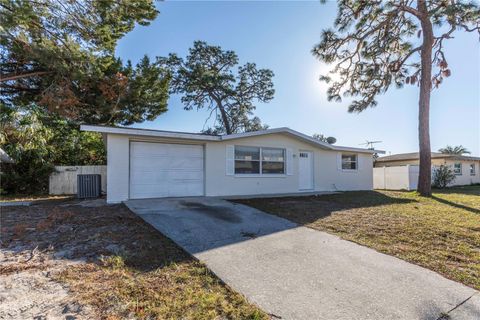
165, 170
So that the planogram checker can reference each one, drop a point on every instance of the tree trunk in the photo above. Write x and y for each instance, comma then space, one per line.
226, 124
425, 174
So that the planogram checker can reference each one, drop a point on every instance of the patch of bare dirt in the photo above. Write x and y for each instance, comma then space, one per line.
27, 291
39, 242
88, 260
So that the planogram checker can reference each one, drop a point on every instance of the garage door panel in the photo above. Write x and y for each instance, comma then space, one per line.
183, 163
151, 156
156, 177
150, 187
139, 177
185, 175
146, 191
165, 170
178, 189
151, 164
186, 151
152, 149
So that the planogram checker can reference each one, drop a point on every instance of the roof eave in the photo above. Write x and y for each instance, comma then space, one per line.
371, 151
445, 157
276, 130
201, 137
149, 133
301, 136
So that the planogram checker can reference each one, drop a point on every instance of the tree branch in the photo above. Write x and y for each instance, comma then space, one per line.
9, 77
408, 55
408, 9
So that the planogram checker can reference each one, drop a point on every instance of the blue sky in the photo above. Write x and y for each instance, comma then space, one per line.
279, 36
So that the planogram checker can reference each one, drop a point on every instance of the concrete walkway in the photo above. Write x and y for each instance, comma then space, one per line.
294, 272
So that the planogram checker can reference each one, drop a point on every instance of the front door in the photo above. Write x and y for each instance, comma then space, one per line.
305, 170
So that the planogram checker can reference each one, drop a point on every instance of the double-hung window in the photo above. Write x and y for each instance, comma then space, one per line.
258, 160
273, 161
349, 162
247, 160
457, 169
472, 169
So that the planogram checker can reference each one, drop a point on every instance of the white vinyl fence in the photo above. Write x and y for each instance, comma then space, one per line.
64, 179
396, 178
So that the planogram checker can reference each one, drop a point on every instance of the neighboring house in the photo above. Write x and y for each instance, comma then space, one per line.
4, 157
145, 163
466, 168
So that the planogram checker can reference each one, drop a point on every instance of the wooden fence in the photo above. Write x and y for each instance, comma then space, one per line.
64, 179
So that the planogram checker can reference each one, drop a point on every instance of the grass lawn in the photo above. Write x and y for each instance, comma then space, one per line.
441, 233
127, 269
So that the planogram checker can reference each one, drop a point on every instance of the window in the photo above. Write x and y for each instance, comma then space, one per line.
256, 160
247, 160
349, 162
472, 169
273, 161
457, 169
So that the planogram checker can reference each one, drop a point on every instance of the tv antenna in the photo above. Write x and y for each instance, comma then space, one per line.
370, 144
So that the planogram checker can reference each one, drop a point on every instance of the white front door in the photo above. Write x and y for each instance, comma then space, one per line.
305, 170
165, 170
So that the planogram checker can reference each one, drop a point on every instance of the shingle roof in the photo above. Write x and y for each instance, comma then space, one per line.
415, 156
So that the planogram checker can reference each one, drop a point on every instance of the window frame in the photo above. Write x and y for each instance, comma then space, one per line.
474, 171
454, 168
260, 160
349, 155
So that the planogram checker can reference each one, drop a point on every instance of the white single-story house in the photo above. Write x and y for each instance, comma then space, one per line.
144, 163
400, 171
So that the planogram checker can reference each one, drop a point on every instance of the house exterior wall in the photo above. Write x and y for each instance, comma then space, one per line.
465, 178
118, 160
327, 174
392, 170
327, 177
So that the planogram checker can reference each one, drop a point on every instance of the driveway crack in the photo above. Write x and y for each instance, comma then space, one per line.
446, 315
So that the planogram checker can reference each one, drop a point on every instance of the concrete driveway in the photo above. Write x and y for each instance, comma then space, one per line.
294, 272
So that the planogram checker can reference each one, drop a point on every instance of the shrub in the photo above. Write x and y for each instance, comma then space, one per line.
443, 176
28, 175
37, 142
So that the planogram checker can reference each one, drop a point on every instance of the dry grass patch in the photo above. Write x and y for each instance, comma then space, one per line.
118, 264
441, 233
185, 290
